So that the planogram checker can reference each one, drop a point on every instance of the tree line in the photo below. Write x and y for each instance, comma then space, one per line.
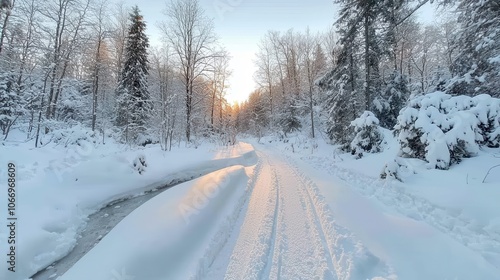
376, 58
89, 62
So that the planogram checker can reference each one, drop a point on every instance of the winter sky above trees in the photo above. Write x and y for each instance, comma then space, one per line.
240, 24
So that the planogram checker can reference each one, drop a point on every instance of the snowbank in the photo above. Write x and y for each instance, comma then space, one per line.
172, 236
58, 186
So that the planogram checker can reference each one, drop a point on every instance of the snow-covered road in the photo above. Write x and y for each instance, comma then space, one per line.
287, 233
282, 217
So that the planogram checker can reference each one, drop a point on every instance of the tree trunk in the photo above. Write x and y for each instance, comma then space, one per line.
96, 84
39, 122
368, 81
312, 111
4, 28
188, 110
213, 103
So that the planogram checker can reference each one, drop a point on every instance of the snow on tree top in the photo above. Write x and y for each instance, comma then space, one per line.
442, 129
366, 119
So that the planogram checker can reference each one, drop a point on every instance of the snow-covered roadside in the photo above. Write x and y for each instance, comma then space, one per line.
287, 233
57, 188
435, 225
174, 235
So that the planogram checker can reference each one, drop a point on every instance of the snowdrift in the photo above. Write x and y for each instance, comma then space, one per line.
60, 185
172, 236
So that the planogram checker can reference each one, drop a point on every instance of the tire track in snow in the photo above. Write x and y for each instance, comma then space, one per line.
274, 254
333, 264
350, 259
304, 256
288, 232
476, 237
246, 253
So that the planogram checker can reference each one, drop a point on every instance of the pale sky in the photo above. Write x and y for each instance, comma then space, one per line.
240, 25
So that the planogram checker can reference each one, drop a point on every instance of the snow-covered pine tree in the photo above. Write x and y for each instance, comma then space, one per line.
339, 106
134, 102
477, 67
388, 105
360, 18
9, 102
258, 118
442, 129
343, 90
75, 104
368, 136
343, 100
289, 120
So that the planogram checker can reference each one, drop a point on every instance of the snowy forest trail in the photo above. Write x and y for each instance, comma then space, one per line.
288, 232
274, 215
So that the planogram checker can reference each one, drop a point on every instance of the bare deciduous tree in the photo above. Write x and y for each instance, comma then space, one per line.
69, 18
191, 36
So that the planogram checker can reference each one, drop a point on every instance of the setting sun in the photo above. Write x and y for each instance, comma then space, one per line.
241, 82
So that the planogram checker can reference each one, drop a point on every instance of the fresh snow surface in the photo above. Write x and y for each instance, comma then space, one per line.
306, 211
294, 210
435, 225
266, 222
173, 236
59, 187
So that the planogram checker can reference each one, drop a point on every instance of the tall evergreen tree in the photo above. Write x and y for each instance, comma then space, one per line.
477, 67
9, 101
342, 96
134, 102
373, 25
343, 100
361, 18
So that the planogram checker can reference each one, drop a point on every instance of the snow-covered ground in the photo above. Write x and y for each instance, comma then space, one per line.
172, 236
436, 225
305, 213
59, 187
294, 210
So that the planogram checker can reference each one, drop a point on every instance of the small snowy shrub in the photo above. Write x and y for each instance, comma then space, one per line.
397, 169
140, 164
289, 120
367, 135
442, 129
75, 135
391, 170
144, 140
